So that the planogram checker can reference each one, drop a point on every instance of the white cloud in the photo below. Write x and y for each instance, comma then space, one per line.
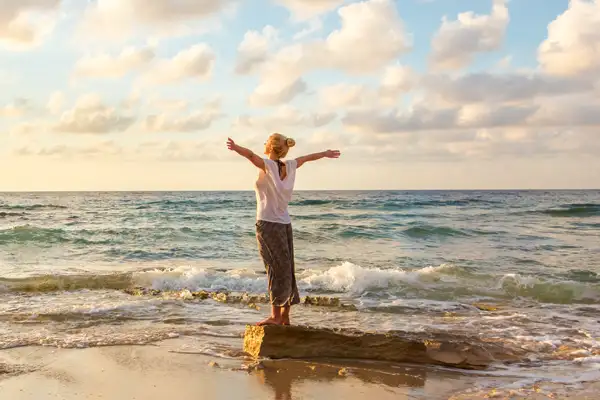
573, 43
570, 113
166, 151
314, 25
180, 151
156, 102
8, 78
344, 95
454, 143
16, 109
398, 79
576, 111
370, 37
26, 128
62, 151
91, 115
254, 49
196, 121
56, 102
277, 91
196, 62
116, 19
496, 87
305, 9
25, 23
457, 42
285, 117
108, 66
11, 111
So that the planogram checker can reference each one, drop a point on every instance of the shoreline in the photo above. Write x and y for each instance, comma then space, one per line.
156, 371
166, 369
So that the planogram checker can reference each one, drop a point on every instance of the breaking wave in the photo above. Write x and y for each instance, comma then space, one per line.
441, 283
574, 210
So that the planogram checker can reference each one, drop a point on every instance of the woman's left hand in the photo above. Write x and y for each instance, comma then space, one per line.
231, 144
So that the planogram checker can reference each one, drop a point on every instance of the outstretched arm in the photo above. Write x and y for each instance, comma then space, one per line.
244, 152
317, 156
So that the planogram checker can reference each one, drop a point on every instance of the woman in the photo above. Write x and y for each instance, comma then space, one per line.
274, 189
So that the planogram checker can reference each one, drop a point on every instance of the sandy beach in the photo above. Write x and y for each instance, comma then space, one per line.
161, 371
165, 370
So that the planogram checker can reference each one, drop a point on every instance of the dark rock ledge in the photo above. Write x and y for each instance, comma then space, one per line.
299, 342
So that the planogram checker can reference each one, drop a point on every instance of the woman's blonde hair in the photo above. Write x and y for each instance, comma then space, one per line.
279, 145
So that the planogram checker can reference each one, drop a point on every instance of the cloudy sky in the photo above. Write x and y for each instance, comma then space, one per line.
417, 94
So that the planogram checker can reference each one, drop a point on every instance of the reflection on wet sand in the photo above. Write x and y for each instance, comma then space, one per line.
286, 376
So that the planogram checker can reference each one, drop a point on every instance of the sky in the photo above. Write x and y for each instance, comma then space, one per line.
416, 94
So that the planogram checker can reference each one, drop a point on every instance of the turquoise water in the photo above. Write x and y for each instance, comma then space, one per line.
405, 260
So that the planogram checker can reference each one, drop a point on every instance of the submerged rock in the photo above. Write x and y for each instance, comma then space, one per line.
202, 295
322, 301
141, 291
485, 307
251, 300
298, 342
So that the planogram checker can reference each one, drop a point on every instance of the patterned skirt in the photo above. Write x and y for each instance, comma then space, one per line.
276, 247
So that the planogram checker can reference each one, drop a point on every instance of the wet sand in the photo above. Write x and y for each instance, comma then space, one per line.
165, 371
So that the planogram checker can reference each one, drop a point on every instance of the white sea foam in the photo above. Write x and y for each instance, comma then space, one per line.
347, 277
203, 278
354, 279
357, 281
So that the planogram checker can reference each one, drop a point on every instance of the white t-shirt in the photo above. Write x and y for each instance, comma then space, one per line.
273, 194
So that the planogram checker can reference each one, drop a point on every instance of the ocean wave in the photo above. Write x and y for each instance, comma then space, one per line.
357, 280
33, 207
313, 202
392, 204
398, 204
40, 235
54, 283
573, 210
5, 214
30, 233
428, 231
102, 335
202, 279
201, 204
445, 282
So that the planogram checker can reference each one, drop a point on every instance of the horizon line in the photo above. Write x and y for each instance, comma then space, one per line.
297, 190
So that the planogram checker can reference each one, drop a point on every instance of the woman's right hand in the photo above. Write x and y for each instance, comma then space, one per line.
332, 154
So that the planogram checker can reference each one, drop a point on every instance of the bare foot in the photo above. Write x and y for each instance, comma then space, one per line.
286, 321
270, 321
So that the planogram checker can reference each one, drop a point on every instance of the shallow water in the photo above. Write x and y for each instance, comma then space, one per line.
414, 261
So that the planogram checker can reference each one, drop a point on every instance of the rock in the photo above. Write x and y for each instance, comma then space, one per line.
213, 364
485, 307
202, 295
251, 300
255, 366
142, 291
220, 297
297, 342
322, 301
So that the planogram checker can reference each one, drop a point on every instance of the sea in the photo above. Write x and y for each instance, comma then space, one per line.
522, 267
